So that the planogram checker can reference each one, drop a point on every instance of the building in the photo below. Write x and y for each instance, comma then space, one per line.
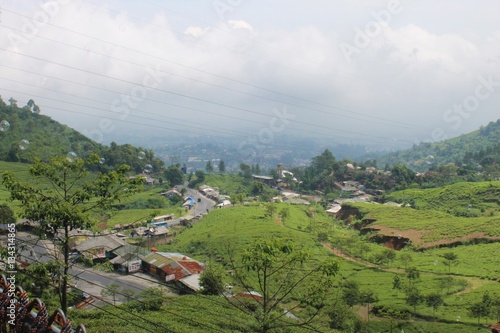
265, 179
127, 258
174, 268
97, 248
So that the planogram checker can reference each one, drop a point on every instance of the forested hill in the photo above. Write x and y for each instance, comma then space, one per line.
25, 133
478, 147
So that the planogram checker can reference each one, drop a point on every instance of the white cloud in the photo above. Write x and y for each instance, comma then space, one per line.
409, 73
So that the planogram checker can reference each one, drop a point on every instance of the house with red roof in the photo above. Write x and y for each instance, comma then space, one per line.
174, 268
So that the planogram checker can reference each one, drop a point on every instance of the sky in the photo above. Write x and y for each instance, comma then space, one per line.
380, 73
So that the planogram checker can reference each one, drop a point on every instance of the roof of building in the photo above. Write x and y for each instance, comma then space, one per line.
334, 209
175, 264
108, 242
131, 249
192, 282
295, 201
163, 217
263, 177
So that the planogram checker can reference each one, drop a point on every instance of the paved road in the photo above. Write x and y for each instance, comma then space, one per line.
87, 280
202, 207
33, 249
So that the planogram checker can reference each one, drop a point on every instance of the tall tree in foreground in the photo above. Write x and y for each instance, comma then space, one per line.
280, 272
61, 194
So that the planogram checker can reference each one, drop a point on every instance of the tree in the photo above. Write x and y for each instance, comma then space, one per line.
128, 294
151, 299
7, 215
280, 272
414, 298
396, 282
222, 166
209, 168
174, 175
112, 290
478, 310
284, 213
212, 280
405, 259
61, 194
412, 274
450, 259
246, 171
446, 283
434, 300
386, 256
495, 307
367, 298
271, 209
351, 293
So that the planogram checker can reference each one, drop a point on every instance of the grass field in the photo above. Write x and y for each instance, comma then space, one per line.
239, 225
462, 199
428, 227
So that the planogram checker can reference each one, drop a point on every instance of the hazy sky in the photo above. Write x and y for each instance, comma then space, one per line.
367, 71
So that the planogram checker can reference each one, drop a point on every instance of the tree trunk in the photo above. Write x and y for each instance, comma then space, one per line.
64, 287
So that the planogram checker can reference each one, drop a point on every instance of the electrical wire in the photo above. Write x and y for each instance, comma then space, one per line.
378, 120
181, 94
207, 72
135, 299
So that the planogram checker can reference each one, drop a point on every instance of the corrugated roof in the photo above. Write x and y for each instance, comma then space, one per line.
173, 263
109, 242
131, 249
192, 282
157, 259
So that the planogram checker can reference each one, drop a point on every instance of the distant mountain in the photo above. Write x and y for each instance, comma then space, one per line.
25, 134
480, 147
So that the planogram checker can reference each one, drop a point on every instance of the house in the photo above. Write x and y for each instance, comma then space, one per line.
371, 169
189, 203
175, 268
265, 179
334, 209
148, 180
298, 201
224, 203
128, 258
289, 195
98, 248
163, 218
171, 193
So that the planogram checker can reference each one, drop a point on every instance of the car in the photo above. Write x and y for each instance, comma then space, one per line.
199, 200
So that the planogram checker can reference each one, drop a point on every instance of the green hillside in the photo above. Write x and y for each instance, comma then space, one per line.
237, 226
425, 228
460, 199
470, 149
26, 133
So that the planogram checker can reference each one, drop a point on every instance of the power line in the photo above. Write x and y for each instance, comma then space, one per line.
176, 93
288, 54
176, 129
399, 124
136, 299
220, 76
